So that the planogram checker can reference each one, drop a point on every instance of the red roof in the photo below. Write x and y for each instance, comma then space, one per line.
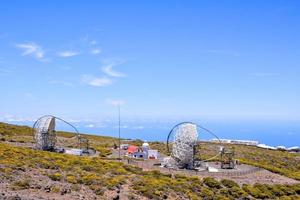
132, 149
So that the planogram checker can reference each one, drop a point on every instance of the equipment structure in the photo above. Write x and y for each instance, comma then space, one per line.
182, 143
45, 135
227, 158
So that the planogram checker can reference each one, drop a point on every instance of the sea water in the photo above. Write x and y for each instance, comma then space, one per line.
273, 133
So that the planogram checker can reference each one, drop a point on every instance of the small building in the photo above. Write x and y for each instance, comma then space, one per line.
76, 152
132, 149
124, 146
153, 154
145, 146
140, 155
294, 149
266, 146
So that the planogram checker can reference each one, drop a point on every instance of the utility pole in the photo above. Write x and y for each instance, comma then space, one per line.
119, 110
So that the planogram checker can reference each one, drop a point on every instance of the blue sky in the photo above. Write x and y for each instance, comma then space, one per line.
228, 60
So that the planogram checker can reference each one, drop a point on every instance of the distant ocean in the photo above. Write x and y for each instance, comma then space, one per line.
270, 133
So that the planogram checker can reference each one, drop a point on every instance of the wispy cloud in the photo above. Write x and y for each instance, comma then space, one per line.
96, 81
4, 72
93, 42
66, 54
115, 102
96, 51
88, 40
65, 83
138, 127
108, 69
11, 118
32, 49
29, 95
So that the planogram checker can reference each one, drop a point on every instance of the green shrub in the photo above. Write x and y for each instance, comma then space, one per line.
21, 184
55, 176
212, 183
229, 183
296, 188
221, 197
206, 193
288, 190
71, 179
55, 189
115, 181
257, 191
237, 192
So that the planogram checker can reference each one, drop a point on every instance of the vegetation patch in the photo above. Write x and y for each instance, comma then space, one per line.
101, 175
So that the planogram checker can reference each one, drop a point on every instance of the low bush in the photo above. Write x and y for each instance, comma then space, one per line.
71, 179
212, 183
21, 184
229, 183
55, 176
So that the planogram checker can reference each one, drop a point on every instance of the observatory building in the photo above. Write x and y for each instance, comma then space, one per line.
143, 152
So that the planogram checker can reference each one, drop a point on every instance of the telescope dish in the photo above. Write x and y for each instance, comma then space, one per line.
182, 143
44, 133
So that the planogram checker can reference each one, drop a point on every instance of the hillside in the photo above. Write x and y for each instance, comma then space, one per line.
30, 174
281, 162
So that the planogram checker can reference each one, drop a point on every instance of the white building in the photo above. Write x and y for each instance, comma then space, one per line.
76, 152
124, 146
140, 155
266, 146
294, 149
145, 146
244, 142
282, 148
153, 154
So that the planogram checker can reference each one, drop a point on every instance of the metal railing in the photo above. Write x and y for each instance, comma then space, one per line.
148, 166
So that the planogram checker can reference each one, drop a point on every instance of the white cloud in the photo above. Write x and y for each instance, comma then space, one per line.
108, 69
66, 54
32, 49
96, 51
123, 126
96, 81
138, 127
115, 102
90, 126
